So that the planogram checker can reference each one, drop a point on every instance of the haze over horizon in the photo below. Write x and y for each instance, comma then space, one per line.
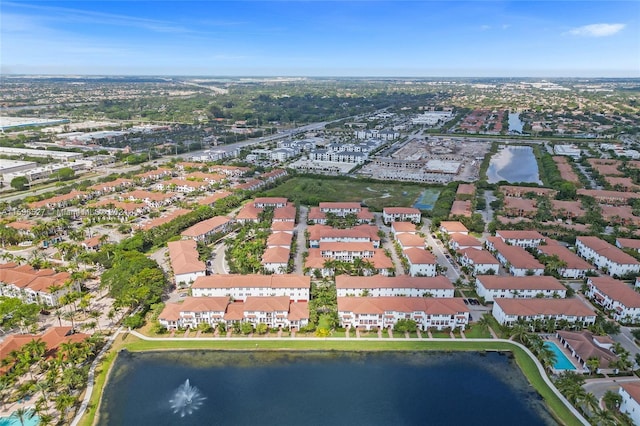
322, 39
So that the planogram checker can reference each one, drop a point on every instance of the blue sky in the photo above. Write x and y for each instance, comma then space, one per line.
314, 38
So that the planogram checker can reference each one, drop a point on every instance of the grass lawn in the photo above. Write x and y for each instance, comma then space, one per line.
376, 195
477, 333
526, 364
440, 335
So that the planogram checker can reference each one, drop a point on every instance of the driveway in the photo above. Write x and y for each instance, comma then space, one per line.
440, 253
300, 229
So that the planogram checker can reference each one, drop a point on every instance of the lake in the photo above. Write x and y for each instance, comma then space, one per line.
513, 164
515, 124
319, 388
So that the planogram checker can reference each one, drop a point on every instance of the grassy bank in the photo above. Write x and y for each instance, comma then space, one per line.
526, 364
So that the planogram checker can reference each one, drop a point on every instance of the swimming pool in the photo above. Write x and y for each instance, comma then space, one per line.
562, 362
13, 421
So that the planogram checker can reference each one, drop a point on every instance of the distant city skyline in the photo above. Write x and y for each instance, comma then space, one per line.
314, 38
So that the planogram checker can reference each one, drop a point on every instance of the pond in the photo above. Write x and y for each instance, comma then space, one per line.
513, 164
319, 388
515, 124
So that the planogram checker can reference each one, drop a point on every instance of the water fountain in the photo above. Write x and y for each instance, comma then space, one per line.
186, 399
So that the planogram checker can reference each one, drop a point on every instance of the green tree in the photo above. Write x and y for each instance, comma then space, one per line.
19, 183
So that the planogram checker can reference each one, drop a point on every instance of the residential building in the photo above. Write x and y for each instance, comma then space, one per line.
584, 345
573, 311
515, 259
183, 256
630, 393
205, 229
461, 241
522, 239
44, 286
573, 266
616, 297
384, 312
422, 263
276, 259
403, 227
628, 243
606, 257
400, 286
239, 287
401, 214
479, 261
491, 287
358, 234
453, 227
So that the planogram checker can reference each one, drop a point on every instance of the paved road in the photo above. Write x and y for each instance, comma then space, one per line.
598, 387
487, 213
300, 229
439, 253
388, 244
625, 338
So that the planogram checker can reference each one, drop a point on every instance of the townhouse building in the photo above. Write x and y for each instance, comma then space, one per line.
401, 214
206, 228
515, 259
358, 234
573, 267
522, 239
509, 311
617, 298
185, 262
274, 311
630, 394
491, 287
422, 263
480, 262
384, 312
44, 286
239, 287
606, 257
400, 286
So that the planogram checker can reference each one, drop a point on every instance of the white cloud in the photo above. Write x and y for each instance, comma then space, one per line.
485, 27
597, 30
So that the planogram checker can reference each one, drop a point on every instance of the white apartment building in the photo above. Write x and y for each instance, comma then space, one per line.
400, 286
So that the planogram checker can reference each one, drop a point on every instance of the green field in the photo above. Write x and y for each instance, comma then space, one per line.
375, 195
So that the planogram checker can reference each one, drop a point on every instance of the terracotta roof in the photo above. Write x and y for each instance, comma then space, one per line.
266, 303
518, 257
453, 226
402, 281
171, 312
531, 307
204, 304
166, 218
381, 261
213, 198
276, 255
317, 232
404, 227
479, 257
460, 208
604, 194
410, 240
253, 281
184, 257
282, 226
298, 311
519, 235
517, 203
279, 239
633, 389
235, 312
23, 225
25, 277
607, 250
332, 205
153, 196
270, 200
418, 256
582, 343
465, 240
616, 290
466, 189
380, 305
572, 260
629, 243
400, 210
287, 212
248, 212
206, 226
497, 282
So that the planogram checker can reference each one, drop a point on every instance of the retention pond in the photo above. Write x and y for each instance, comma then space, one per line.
319, 388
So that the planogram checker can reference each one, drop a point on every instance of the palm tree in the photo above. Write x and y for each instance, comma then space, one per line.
590, 402
593, 364
547, 357
520, 332
22, 414
46, 419
602, 417
612, 400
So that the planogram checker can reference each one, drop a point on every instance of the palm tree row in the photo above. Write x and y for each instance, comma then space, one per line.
58, 380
